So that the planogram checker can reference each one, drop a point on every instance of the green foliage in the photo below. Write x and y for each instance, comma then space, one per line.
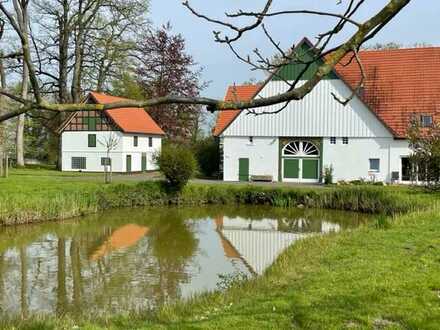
177, 163
128, 87
328, 174
227, 281
208, 156
425, 160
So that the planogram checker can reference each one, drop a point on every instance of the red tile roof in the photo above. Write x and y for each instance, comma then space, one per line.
130, 120
234, 94
400, 83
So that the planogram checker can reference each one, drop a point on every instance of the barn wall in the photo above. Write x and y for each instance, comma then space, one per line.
262, 154
351, 161
317, 115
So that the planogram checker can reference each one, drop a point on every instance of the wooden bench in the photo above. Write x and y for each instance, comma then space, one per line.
261, 178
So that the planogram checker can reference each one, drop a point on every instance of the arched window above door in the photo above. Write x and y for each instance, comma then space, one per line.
300, 149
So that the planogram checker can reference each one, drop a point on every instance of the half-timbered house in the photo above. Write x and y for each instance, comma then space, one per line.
126, 138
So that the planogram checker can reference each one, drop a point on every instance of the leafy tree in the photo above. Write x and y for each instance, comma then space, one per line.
381, 46
165, 68
177, 163
208, 156
37, 140
425, 145
127, 86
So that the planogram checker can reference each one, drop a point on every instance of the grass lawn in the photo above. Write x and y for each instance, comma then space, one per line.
385, 275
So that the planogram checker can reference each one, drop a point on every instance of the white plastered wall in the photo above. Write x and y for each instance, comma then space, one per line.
75, 144
351, 161
262, 154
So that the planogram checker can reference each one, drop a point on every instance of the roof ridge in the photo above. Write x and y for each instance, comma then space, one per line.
402, 49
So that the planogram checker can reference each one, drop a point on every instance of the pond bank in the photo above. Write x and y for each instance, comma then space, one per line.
31, 200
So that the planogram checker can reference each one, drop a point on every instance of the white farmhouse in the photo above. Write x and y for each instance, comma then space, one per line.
129, 135
364, 139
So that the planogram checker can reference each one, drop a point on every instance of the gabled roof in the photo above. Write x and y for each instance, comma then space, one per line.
399, 84
234, 94
129, 120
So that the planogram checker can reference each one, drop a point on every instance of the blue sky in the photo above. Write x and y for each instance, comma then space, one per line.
417, 23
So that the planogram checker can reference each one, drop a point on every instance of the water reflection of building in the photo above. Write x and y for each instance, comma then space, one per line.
260, 242
121, 238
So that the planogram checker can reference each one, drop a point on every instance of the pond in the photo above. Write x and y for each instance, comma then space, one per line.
141, 258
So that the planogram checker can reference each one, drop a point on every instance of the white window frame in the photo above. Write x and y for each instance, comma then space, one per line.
374, 169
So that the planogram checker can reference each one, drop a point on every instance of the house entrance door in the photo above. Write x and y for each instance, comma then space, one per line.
243, 169
128, 163
144, 162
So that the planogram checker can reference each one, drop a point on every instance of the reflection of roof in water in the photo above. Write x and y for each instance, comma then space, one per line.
258, 247
122, 237
230, 251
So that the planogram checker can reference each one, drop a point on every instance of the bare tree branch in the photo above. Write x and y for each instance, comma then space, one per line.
330, 58
359, 86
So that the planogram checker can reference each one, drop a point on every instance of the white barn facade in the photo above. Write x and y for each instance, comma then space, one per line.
366, 139
125, 138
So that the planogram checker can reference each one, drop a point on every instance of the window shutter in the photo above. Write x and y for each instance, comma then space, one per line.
92, 140
91, 123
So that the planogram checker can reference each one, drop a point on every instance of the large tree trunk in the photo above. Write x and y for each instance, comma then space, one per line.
19, 141
23, 21
2, 105
63, 48
78, 66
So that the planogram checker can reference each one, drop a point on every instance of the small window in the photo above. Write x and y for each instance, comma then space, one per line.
92, 140
106, 161
78, 163
375, 164
332, 140
426, 121
345, 140
251, 139
150, 142
135, 141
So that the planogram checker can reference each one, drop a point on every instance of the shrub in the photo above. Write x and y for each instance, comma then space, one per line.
328, 174
177, 163
208, 156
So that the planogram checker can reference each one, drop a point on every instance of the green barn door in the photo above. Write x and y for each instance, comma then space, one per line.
310, 169
128, 163
291, 168
243, 169
144, 162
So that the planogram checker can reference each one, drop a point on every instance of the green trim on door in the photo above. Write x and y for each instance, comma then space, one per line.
291, 168
128, 163
243, 169
144, 162
310, 169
